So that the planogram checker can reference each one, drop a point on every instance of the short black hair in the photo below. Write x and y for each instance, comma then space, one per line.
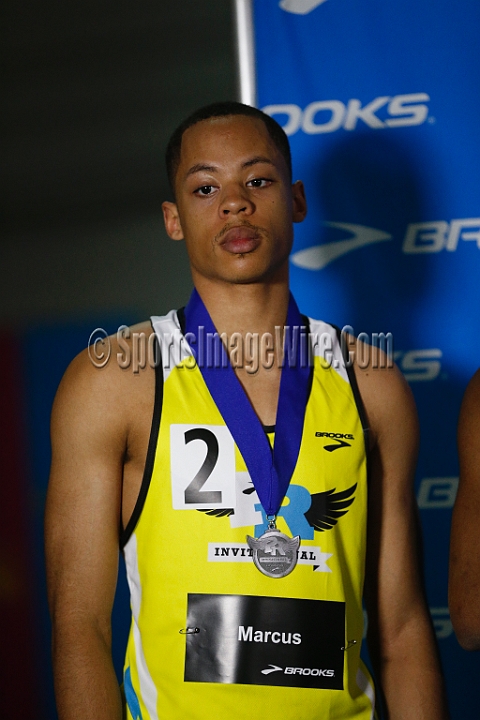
223, 109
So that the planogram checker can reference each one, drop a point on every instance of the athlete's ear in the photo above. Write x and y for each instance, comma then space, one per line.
172, 220
299, 202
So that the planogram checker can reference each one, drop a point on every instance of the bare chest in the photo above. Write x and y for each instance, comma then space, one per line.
262, 390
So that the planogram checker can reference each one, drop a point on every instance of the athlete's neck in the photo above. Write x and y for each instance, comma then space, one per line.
246, 308
254, 311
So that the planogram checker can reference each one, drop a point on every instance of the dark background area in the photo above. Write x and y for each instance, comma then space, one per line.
91, 93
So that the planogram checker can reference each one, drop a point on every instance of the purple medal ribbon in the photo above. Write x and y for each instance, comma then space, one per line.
270, 471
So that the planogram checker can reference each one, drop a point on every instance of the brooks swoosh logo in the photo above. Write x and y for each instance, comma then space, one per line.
270, 669
300, 7
319, 256
341, 443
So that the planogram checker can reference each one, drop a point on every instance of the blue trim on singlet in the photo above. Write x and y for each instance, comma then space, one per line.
131, 696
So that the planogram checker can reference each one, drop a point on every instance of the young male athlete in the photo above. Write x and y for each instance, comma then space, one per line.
464, 575
249, 520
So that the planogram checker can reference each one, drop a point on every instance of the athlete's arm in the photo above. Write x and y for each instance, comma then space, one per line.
400, 633
89, 435
464, 580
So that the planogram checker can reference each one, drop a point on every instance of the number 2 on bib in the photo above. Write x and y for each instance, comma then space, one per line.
202, 466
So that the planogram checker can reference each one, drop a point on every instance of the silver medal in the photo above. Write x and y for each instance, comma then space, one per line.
274, 553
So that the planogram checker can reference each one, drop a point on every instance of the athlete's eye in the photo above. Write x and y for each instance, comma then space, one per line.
204, 190
259, 182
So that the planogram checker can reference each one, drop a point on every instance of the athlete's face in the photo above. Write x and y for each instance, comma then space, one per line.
234, 202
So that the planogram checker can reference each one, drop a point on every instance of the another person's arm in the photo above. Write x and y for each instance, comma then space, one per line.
464, 579
82, 528
401, 638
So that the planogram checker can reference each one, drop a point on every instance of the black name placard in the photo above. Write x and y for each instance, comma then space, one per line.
254, 640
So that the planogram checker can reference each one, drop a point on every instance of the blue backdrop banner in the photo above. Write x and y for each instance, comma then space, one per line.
381, 105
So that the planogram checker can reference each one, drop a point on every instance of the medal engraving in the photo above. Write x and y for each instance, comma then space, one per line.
274, 553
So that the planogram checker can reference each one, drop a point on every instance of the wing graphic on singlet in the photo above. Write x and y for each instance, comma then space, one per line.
327, 507
324, 512
218, 512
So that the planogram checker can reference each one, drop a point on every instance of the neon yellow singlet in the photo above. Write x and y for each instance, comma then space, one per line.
211, 634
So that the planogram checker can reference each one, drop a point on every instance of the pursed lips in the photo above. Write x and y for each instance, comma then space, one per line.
240, 239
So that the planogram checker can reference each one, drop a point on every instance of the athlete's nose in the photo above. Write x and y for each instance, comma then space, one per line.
235, 200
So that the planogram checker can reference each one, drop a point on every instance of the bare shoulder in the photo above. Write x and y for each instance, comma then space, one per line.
386, 395
100, 426
102, 383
